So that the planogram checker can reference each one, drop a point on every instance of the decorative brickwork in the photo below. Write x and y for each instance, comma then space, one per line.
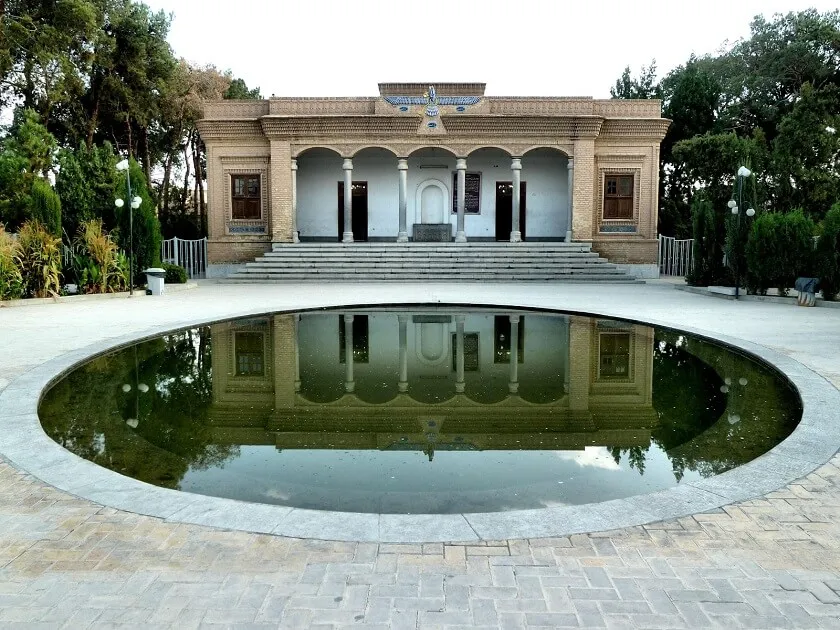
602, 136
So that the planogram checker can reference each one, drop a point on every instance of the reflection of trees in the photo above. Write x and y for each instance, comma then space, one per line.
717, 409
636, 456
87, 411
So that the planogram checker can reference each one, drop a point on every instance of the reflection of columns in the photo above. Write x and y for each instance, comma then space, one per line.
571, 187
513, 385
295, 238
402, 165
461, 167
403, 384
459, 354
297, 354
349, 383
347, 237
282, 353
580, 353
516, 176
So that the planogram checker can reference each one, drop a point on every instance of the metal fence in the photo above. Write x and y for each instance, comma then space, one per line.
191, 255
675, 256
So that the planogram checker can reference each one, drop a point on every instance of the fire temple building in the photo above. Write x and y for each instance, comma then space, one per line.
440, 162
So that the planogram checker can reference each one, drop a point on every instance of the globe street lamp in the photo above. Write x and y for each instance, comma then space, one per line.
735, 208
134, 205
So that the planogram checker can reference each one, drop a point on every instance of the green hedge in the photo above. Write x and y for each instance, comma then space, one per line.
780, 249
175, 274
828, 254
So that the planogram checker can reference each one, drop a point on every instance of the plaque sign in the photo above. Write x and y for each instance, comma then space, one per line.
472, 193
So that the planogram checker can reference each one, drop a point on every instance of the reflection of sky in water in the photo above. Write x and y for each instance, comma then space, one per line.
406, 481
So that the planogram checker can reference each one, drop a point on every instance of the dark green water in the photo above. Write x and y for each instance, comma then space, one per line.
421, 411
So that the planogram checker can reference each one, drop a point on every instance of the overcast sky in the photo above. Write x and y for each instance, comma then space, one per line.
517, 47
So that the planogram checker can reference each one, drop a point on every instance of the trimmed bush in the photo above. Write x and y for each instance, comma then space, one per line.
707, 250
175, 274
39, 260
828, 254
780, 248
11, 282
45, 206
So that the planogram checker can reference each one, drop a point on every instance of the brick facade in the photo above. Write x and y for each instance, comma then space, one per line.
601, 136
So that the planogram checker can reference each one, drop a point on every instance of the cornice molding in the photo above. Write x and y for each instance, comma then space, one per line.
635, 128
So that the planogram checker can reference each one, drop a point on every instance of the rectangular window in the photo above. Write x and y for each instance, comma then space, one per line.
250, 353
246, 198
472, 193
618, 197
614, 356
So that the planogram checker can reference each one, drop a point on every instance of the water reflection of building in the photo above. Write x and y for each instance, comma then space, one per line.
437, 380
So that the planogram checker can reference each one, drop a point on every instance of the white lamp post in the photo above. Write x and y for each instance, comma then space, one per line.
735, 208
133, 205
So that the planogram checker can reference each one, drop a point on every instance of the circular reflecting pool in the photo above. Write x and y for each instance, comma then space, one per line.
421, 410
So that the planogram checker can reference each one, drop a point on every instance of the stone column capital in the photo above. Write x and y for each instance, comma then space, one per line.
347, 165
571, 164
402, 164
516, 164
294, 164
461, 164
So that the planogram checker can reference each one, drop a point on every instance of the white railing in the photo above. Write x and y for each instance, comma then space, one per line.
675, 256
191, 255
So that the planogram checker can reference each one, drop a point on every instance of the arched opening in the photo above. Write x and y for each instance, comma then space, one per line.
375, 194
432, 202
548, 209
430, 195
318, 171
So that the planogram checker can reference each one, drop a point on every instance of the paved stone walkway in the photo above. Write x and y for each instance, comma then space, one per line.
773, 562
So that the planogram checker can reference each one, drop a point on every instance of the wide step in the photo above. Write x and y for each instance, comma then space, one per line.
430, 262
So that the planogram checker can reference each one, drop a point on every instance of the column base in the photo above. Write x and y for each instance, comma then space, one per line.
402, 237
460, 237
295, 238
569, 236
516, 236
347, 237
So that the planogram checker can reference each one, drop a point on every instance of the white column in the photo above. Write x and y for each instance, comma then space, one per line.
402, 165
460, 385
461, 167
347, 236
571, 172
349, 383
513, 384
295, 238
516, 176
403, 384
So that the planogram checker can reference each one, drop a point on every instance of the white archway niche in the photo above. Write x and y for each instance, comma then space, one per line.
432, 203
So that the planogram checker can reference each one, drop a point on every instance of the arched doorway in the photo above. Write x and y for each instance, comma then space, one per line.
546, 170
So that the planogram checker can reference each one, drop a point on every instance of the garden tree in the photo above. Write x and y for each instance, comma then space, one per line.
239, 90
645, 86
27, 155
147, 237
181, 106
45, 206
806, 152
87, 184
45, 44
778, 85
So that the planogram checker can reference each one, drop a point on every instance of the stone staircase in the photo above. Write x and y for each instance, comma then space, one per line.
430, 262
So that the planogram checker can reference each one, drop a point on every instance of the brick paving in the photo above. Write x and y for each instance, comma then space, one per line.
767, 563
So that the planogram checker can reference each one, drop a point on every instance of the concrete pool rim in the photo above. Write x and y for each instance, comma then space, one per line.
24, 444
